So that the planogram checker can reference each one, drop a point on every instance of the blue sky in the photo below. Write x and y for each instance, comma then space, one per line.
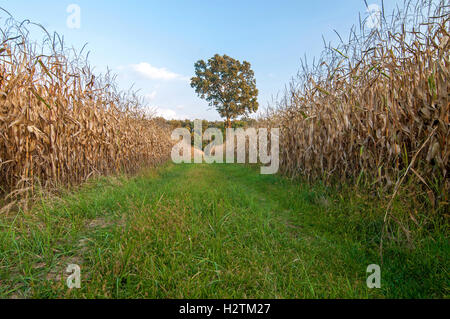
154, 44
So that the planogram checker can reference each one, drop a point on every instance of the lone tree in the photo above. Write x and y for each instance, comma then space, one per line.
228, 85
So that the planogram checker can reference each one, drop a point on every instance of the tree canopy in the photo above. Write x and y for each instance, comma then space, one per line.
228, 85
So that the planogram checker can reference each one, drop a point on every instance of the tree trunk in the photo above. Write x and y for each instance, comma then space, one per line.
228, 122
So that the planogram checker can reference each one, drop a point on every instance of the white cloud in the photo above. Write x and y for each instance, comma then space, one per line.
151, 72
150, 96
168, 114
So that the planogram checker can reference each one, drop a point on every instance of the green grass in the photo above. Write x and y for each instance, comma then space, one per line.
211, 231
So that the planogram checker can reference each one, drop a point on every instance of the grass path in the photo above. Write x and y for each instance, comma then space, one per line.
209, 231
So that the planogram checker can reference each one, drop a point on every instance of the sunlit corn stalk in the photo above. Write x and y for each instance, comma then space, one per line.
365, 109
60, 123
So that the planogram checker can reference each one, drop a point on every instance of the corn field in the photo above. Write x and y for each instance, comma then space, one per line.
60, 123
374, 106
